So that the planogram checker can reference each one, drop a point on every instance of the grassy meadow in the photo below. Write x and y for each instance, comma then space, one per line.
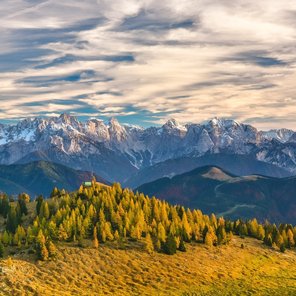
128, 270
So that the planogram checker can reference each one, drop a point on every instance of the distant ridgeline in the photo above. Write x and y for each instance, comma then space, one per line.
101, 213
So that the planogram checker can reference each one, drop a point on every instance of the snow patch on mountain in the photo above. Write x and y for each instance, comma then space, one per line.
92, 143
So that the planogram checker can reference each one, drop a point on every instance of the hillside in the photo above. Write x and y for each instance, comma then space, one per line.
227, 270
40, 177
239, 165
105, 240
230, 196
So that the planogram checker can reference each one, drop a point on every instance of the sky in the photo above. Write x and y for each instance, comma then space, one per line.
144, 61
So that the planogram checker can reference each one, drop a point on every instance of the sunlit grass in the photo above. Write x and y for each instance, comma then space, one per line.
226, 270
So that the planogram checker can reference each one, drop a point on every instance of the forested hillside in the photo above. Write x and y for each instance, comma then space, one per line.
102, 213
78, 243
213, 189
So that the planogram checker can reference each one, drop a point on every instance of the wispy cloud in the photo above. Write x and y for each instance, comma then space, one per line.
146, 60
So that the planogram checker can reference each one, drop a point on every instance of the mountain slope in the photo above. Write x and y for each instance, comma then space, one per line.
240, 165
116, 152
40, 177
227, 270
213, 190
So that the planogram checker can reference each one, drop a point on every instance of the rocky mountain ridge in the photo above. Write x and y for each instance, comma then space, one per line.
115, 151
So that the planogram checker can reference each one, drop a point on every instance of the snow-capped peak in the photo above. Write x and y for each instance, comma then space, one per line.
67, 119
283, 135
174, 124
66, 139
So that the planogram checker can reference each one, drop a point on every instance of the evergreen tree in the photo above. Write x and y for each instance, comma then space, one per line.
282, 248
12, 220
290, 239
4, 205
44, 210
268, 239
169, 246
39, 201
23, 199
182, 246
221, 235
2, 250
55, 192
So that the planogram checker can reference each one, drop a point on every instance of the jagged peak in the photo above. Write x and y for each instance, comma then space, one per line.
174, 124
113, 122
220, 122
67, 118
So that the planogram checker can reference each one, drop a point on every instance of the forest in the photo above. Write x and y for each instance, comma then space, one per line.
103, 213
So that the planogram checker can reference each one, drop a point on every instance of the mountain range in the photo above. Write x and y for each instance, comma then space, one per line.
214, 190
117, 152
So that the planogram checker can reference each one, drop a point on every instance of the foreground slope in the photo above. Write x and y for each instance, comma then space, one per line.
227, 270
213, 190
105, 240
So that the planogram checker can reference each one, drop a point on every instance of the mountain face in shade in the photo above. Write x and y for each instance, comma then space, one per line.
213, 190
40, 178
116, 152
240, 165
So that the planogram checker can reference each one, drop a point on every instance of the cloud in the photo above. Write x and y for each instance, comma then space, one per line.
258, 58
145, 60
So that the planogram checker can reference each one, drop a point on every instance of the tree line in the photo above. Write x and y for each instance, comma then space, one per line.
110, 213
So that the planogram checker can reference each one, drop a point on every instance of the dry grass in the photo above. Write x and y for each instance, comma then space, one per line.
227, 270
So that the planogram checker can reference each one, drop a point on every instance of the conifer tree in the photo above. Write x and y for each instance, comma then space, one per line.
186, 228
182, 246
210, 238
39, 201
52, 251
41, 249
55, 192
44, 210
4, 205
260, 232
279, 239
62, 234
161, 234
23, 199
116, 236
268, 239
169, 246
282, 248
95, 238
221, 235
290, 238
43, 253
149, 244
12, 220
2, 250
5, 238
